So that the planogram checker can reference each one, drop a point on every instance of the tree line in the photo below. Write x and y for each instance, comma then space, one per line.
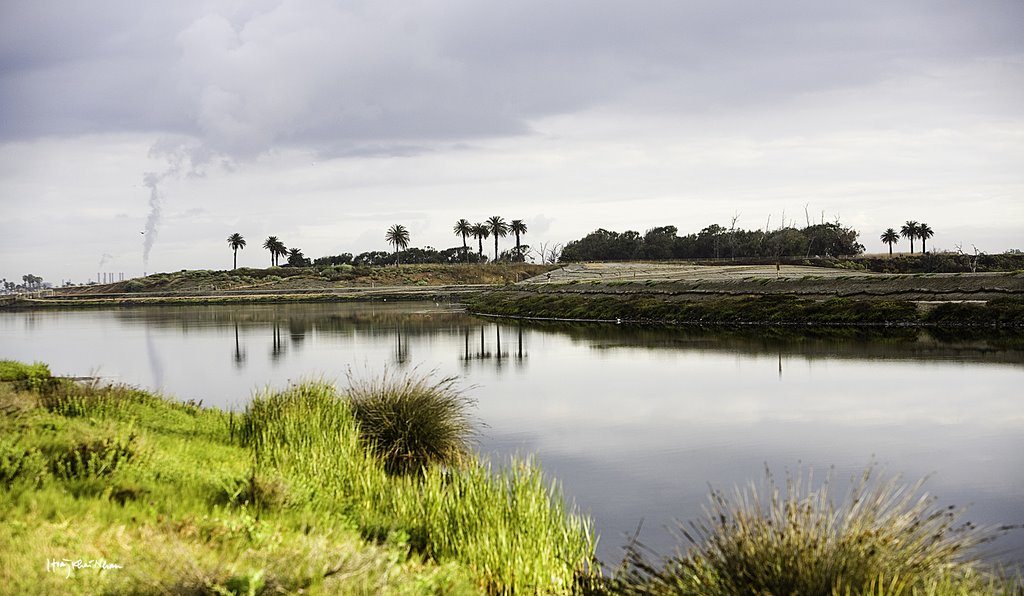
398, 237
830, 239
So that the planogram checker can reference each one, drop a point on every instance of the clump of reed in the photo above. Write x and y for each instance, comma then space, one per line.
412, 421
885, 537
508, 526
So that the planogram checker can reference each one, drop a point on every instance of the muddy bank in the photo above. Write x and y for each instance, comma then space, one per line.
761, 295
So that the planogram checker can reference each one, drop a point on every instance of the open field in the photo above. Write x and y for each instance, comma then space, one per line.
678, 282
696, 282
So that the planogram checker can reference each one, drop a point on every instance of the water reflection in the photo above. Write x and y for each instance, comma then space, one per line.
401, 355
239, 353
277, 347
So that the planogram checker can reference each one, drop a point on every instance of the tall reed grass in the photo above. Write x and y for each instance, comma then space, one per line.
885, 537
509, 526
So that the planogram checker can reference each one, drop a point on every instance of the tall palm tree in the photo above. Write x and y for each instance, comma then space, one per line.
276, 248
890, 237
910, 230
463, 228
399, 236
924, 232
235, 241
517, 227
282, 251
480, 231
497, 226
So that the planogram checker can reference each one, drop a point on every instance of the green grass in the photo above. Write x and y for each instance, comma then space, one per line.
780, 309
285, 497
885, 537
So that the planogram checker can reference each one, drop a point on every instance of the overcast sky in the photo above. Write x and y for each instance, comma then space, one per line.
324, 122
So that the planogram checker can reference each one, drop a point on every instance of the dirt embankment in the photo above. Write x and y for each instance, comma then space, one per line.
286, 284
696, 282
761, 295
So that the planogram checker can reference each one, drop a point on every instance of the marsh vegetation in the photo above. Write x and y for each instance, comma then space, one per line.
315, 490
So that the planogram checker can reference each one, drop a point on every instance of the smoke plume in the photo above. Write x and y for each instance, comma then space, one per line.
152, 181
184, 157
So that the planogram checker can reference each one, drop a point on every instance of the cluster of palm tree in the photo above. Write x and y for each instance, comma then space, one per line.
494, 225
277, 249
909, 230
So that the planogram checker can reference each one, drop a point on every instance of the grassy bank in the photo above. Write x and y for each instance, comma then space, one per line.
292, 495
111, 490
767, 310
883, 538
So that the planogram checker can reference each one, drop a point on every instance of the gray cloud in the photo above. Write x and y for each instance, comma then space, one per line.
597, 114
343, 77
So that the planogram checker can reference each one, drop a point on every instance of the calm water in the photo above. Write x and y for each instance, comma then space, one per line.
636, 423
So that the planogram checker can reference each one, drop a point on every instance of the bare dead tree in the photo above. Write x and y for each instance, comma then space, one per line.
547, 252
732, 234
970, 261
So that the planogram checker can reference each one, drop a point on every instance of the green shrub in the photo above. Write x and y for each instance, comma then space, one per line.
886, 537
74, 399
412, 421
91, 458
19, 463
11, 370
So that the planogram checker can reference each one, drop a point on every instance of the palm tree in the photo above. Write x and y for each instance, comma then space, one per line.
517, 227
235, 241
890, 237
276, 248
924, 232
295, 257
480, 231
497, 226
910, 230
463, 228
399, 236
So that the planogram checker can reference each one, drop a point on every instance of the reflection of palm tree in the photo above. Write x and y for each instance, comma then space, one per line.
890, 237
401, 350
399, 237
239, 354
909, 230
480, 231
235, 241
924, 232
496, 224
463, 228
483, 354
276, 345
498, 354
